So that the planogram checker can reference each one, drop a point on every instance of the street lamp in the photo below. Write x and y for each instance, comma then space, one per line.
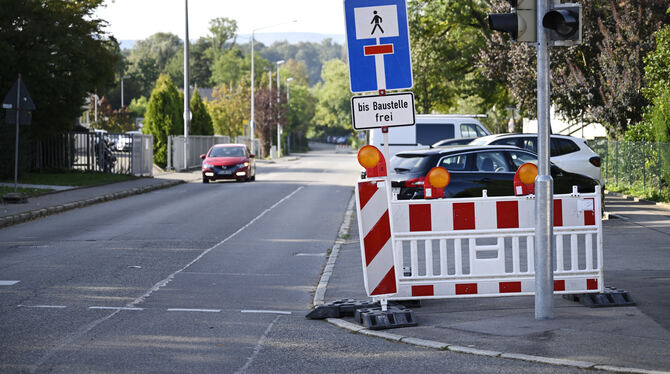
187, 91
253, 123
288, 97
278, 63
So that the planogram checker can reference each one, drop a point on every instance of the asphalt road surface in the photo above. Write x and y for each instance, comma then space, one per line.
213, 278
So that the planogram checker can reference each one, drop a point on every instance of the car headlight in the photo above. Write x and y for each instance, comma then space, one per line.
242, 165
207, 166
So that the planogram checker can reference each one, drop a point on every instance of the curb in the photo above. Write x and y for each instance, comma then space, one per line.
637, 199
43, 212
358, 329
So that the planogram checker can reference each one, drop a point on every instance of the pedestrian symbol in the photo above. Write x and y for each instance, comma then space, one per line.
377, 20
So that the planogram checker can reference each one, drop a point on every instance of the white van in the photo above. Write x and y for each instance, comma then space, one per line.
429, 129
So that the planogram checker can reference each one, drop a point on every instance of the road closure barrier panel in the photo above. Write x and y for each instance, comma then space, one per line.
478, 247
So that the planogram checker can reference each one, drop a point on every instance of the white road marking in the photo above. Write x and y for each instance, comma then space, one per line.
266, 311
114, 308
310, 254
170, 277
194, 310
258, 347
43, 306
90, 326
8, 283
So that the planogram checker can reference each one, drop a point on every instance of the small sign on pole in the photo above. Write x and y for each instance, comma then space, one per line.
375, 111
18, 104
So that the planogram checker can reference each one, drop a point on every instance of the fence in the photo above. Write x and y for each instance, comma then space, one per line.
197, 145
111, 153
633, 165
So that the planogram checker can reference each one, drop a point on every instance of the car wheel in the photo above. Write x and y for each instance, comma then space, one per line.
253, 178
205, 180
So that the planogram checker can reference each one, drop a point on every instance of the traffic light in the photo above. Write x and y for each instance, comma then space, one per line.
565, 23
521, 23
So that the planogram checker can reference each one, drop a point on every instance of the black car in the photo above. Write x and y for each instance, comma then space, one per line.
473, 169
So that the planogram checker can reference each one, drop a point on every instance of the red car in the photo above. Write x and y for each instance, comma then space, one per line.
228, 161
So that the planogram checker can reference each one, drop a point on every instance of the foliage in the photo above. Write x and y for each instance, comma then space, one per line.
160, 47
62, 52
333, 108
163, 117
657, 65
201, 123
229, 67
266, 113
640, 132
114, 120
446, 37
139, 106
229, 109
600, 79
301, 110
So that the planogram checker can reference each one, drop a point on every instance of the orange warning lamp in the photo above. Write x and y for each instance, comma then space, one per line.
528, 173
436, 180
524, 179
373, 161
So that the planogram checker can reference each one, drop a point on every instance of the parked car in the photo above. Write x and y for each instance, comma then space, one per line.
569, 153
473, 169
429, 129
228, 161
455, 141
125, 141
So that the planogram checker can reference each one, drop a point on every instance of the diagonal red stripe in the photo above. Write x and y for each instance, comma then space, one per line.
365, 192
590, 216
374, 241
387, 285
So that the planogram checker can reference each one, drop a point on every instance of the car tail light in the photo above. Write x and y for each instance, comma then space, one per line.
415, 182
595, 160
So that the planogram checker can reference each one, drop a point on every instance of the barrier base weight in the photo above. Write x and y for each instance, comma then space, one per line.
340, 308
395, 316
610, 298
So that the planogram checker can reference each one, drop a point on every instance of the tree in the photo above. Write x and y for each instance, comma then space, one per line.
300, 114
229, 109
62, 52
600, 79
333, 95
163, 117
229, 67
446, 37
201, 124
161, 47
222, 30
265, 112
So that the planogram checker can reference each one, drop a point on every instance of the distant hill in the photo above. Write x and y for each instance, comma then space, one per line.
269, 38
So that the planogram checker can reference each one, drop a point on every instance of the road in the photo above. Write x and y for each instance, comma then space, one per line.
198, 278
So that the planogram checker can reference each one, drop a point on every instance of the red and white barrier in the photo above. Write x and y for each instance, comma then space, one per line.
374, 223
474, 247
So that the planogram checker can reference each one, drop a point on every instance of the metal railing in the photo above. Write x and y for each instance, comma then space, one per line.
197, 145
110, 153
641, 166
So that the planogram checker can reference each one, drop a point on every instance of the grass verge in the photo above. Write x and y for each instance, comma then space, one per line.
26, 191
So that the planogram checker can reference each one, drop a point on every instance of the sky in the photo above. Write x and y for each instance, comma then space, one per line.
138, 19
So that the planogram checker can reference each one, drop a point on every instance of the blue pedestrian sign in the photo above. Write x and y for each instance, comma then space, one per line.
378, 45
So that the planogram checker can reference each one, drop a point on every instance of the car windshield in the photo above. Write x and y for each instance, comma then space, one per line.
226, 152
402, 163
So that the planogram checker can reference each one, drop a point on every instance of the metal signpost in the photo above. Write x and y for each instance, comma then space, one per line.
18, 102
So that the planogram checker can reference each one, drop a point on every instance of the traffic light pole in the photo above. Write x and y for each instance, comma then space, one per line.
544, 267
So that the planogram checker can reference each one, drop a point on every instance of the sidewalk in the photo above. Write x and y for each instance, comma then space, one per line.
72, 198
620, 339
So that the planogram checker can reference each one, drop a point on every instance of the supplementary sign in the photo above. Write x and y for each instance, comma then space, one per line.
374, 111
378, 45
